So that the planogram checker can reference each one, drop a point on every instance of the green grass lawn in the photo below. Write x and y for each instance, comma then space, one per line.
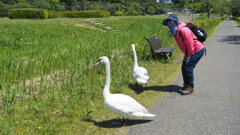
48, 81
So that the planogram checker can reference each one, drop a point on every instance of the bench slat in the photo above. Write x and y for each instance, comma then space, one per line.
156, 46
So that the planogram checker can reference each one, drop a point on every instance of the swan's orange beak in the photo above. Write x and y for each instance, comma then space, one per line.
98, 62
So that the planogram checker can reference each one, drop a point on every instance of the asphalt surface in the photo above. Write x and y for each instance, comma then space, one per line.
214, 107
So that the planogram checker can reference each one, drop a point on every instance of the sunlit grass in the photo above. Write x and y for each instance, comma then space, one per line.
48, 82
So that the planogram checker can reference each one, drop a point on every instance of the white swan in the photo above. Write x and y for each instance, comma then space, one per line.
140, 74
121, 104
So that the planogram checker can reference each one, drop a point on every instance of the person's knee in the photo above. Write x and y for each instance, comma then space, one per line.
188, 69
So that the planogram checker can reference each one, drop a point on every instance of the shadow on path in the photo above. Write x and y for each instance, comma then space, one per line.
168, 88
109, 123
234, 39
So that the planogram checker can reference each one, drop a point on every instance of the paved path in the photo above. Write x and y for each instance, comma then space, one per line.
214, 108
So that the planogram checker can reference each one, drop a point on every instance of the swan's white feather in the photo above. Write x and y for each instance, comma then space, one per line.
126, 106
121, 104
140, 74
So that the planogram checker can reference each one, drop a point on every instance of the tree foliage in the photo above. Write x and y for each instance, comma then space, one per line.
151, 10
129, 7
208, 6
133, 7
235, 7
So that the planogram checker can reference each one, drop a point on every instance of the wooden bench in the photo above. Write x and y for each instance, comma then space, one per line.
157, 50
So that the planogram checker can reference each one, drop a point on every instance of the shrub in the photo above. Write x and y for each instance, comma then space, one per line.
132, 12
195, 23
202, 23
3, 14
119, 13
4, 9
85, 14
201, 17
223, 17
54, 14
28, 13
151, 10
237, 19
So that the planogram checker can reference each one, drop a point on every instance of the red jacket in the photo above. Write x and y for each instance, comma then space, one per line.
190, 43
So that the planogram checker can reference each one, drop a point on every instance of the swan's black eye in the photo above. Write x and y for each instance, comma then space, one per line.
99, 60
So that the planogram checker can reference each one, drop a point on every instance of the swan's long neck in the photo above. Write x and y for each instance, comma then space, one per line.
106, 90
135, 58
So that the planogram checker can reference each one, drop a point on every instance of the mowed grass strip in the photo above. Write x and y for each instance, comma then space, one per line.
48, 81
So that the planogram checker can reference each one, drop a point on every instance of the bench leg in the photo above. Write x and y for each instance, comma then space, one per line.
164, 55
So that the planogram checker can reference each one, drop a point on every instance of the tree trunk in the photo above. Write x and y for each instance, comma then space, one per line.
208, 13
208, 9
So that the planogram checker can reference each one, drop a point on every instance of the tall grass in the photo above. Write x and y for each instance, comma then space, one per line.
48, 82
48, 78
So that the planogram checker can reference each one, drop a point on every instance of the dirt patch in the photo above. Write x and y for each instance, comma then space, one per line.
89, 27
52, 80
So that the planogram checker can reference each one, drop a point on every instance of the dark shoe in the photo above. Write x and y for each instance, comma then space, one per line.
186, 90
184, 86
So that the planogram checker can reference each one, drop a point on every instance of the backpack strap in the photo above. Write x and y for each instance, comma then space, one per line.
183, 40
181, 34
185, 45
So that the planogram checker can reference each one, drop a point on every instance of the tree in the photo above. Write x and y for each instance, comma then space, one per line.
4, 9
200, 6
151, 10
133, 7
21, 5
207, 5
22, 1
41, 4
48, 4
235, 7
9, 1
221, 7
56, 5
69, 4
193, 6
176, 1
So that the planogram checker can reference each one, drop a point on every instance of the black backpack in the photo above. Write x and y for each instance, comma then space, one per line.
197, 31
